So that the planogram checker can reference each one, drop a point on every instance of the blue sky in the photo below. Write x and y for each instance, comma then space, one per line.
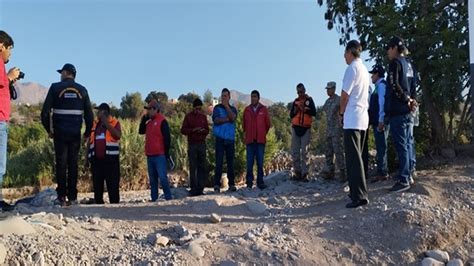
176, 46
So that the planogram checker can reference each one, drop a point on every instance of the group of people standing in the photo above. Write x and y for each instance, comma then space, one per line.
389, 107
255, 124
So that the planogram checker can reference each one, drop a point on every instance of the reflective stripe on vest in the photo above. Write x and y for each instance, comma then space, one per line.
67, 112
112, 145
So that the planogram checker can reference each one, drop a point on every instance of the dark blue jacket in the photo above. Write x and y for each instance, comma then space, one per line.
399, 88
69, 103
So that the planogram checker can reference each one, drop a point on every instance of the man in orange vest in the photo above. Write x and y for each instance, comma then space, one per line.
157, 148
104, 151
301, 114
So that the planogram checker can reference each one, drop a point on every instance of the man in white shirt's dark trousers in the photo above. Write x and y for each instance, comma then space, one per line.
354, 112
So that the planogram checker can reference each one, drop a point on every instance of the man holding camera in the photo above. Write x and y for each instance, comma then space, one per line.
6, 81
69, 103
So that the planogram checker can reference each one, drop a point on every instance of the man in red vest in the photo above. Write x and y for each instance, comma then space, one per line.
157, 148
104, 151
256, 124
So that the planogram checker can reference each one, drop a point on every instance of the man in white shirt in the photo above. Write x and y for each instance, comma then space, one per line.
354, 112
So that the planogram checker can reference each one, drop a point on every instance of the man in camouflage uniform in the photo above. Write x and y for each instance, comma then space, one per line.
334, 134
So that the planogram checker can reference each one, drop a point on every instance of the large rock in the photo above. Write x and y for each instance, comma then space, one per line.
3, 254
431, 262
50, 219
196, 250
286, 188
438, 255
226, 201
256, 207
15, 225
276, 178
44, 198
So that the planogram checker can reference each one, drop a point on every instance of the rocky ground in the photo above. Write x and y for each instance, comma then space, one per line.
289, 223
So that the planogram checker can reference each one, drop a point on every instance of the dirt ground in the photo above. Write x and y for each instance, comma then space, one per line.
290, 223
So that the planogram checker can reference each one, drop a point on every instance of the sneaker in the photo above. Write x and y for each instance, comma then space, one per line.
217, 189
60, 201
232, 189
262, 186
6, 207
72, 203
399, 187
355, 204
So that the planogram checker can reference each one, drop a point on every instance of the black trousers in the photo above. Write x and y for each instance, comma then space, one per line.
197, 167
354, 142
108, 171
66, 149
365, 153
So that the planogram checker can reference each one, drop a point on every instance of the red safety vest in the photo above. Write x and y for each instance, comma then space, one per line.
154, 141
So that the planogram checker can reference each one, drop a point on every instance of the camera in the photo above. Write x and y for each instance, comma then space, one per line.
13, 93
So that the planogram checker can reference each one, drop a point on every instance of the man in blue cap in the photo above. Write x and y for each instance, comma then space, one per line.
69, 103
377, 121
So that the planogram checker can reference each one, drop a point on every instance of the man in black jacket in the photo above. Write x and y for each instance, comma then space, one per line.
398, 107
69, 103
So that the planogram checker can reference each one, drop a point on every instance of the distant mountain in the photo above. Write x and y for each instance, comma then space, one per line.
30, 93
245, 98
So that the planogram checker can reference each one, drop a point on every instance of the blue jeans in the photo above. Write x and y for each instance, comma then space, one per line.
255, 151
3, 152
227, 147
400, 129
157, 169
381, 146
412, 151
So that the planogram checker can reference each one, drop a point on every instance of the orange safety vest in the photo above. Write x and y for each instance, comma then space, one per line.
112, 145
302, 119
